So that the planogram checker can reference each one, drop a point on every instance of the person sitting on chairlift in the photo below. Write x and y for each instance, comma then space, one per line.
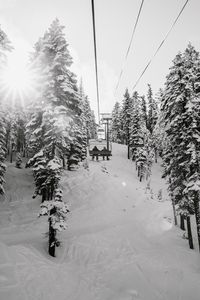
104, 150
95, 149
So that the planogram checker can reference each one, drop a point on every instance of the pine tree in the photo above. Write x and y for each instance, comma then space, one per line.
57, 106
18, 162
116, 124
5, 47
55, 208
39, 163
136, 126
88, 116
126, 118
152, 110
181, 109
35, 133
2, 152
191, 129
77, 151
15, 131
55, 121
172, 108
144, 110
141, 162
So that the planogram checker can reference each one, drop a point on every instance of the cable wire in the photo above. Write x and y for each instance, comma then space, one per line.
166, 36
95, 56
127, 52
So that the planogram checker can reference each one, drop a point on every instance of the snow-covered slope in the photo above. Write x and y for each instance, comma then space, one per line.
120, 244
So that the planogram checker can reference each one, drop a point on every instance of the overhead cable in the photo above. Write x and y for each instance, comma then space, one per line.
127, 52
95, 57
166, 36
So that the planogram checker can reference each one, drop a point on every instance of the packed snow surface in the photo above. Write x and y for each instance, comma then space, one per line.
120, 243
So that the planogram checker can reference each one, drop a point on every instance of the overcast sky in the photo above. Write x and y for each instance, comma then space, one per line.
25, 21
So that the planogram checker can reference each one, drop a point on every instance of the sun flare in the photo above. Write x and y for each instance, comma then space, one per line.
17, 80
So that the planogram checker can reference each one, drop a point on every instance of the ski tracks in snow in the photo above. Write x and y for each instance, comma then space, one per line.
115, 241
116, 246
99, 247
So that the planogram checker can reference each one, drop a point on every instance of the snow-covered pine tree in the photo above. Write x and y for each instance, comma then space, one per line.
144, 159
144, 110
20, 136
180, 108
39, 163
83, 130
192, 129
2, 151
53, 122
141, 162
91, 126
57, 103
85, 106
167, 156
77, 150
15, 131
116, 124
126, 118
57, 211
59, 92
152, 110
5, 47
185, 210
172, 108
18, 161
54, 207
158, 137
136, 128
34, 133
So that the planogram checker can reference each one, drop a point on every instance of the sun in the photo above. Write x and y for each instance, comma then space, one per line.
17, 80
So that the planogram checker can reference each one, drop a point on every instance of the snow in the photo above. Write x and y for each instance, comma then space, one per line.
120, 243
54, 164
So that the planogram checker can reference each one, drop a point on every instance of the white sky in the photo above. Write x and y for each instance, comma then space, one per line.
25, 21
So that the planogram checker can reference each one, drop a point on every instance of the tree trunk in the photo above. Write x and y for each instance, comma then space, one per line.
139, 171
11, 153
7, 146
64, 163
128, 151
53, 150
52, 239
128, 144
18, 146
51, 191
182, 223
174, 211
190, 239
156, 156
197, 216
52, 235
173, 205
24, 150
8, 151
44, 195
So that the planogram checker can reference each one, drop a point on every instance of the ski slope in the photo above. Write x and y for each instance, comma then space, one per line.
120, 243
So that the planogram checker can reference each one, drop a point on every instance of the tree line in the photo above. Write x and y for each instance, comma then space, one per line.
168, 126
134, 124
52, 129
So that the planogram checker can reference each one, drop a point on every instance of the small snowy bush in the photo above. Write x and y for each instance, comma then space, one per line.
18, 162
